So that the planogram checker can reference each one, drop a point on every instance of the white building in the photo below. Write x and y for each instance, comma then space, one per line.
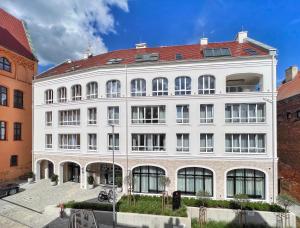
200, 114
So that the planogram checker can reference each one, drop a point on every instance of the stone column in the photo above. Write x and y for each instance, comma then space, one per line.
37, 171
46, 169
60, 173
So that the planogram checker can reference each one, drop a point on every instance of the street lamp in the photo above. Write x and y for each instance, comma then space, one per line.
114, 192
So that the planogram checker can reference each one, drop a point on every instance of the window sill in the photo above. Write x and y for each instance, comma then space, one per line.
207, 124
146, 124
92, 125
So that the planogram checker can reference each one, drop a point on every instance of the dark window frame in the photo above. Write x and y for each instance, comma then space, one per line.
5, 64
13, 160
137, 171
18, 99
244, 180
5, 131
3, 92
17, 131
194, 175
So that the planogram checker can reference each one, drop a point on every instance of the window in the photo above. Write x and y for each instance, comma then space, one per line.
48, 118
148, 114
2, 130
3, 96
17, 131
249, 182
192, 180
62, 94
76, 92
182, 142
216, 52
245, 113
5, 64
92, 141
245, 143
160, 87
148, 142
92, 90
69, 117
92, 116
48, 141
178, 56
183, 85
288, 115
206, 143
138, 87
113, 115
114, 61
113, 142
49, 96
206, 113
146, 179
182, 113
298, 114
69, 141
113, 88
250, 51
206, 84
14, 160
18, 99
146, 57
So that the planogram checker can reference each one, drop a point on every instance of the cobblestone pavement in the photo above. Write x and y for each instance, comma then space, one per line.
26, 209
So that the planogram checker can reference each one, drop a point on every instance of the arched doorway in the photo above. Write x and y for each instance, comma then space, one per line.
44, 169
70, 171
103, 173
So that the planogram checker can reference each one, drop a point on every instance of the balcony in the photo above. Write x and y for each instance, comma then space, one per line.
238, 83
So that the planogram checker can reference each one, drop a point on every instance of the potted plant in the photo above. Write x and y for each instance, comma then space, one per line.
30, 176
91, 181
54, 179
119, 183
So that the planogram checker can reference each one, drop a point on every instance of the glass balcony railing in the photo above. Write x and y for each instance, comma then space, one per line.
242, 88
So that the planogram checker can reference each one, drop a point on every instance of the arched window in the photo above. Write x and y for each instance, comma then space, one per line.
250, 182
160, 87
49, 96
5, 64
92, 90
146, 179
138, 87
62, 94
193, 180
113, 88
76, 92
183, 85
206, 84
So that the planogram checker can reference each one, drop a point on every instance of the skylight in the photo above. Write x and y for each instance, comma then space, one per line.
147, 57
114, 61
250, 51
216, 52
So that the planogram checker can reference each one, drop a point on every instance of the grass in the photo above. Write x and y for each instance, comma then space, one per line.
149, 205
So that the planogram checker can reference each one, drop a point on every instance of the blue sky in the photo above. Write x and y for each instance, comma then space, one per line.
169, 22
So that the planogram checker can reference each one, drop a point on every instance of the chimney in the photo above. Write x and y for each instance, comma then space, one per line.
204, 41
87, 55
141, 45
290, 73
241, 36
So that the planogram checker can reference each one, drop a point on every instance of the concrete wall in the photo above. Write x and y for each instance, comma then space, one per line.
252, 217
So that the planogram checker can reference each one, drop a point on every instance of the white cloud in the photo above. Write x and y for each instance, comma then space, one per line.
64, 29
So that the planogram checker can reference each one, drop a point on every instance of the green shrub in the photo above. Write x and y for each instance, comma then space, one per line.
87, 205
90, 180
221, 224
231, 204
54, 178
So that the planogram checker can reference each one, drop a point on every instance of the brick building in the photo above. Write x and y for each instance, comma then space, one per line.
18, 65
288, 109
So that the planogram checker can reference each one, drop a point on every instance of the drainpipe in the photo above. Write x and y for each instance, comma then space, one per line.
273, 128
126, 122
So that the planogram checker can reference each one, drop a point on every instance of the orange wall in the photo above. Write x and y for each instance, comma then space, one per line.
20, 78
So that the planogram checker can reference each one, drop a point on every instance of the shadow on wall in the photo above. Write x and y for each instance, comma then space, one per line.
173, 223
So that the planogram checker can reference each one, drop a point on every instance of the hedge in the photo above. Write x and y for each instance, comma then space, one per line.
87, 205
231, 204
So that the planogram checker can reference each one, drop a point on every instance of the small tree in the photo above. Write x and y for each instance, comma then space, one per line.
129, 183
241, 200
203, 198
165, 182
286, 201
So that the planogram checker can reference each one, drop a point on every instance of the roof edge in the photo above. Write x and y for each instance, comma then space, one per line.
263, 45
29, 40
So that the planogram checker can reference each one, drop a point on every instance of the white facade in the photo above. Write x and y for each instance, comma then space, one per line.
261, 68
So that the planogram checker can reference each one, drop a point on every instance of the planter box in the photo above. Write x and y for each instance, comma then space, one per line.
30, 180
252, 217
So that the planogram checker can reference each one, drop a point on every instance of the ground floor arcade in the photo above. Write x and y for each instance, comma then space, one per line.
220, 179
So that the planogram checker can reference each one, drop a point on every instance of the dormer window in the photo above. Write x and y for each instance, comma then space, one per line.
114, 61
5, 64
146, 57
178, 56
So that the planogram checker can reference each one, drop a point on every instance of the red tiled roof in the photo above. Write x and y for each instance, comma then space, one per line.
189, 52
290, 88
13, 35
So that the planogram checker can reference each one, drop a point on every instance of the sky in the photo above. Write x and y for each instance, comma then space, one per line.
63, 30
